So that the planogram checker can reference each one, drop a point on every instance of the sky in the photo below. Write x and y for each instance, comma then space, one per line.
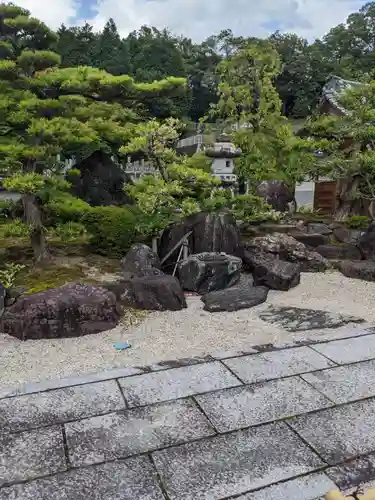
199, 19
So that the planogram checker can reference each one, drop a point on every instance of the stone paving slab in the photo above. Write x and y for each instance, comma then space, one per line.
309, 487
277, 364
345, 383
61, 405
339, 433
59, 383
31, 454
176, 383
245, 406
132, 479
352, 474
119, 435
234, 463
349, 350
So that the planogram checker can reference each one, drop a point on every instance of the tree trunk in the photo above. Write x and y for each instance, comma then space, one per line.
347, 197
33, 219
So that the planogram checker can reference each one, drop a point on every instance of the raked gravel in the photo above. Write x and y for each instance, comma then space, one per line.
174, 335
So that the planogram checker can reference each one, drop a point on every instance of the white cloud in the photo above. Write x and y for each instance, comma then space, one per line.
53, 12
201, 18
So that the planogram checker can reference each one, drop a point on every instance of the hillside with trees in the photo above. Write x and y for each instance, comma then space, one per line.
149, 54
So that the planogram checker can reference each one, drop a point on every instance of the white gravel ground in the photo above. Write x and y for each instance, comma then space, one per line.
175, 335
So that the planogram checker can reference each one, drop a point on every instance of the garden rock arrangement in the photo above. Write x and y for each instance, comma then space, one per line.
71, 310
140, 261
286, 248
205, 272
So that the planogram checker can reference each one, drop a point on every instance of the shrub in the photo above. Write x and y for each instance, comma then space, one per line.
358, 222
9, 274
69, 230
14, 229
112, 229
65, 208
5, 209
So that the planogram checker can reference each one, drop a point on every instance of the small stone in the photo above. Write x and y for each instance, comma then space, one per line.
140, 261
362, 270
346, 251
318, 228
276, 274
155, 293
311, 240
235, 298
366, 243
205, 272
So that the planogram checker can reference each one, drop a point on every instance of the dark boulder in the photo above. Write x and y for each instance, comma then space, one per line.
344, 235
235, 298
277, 194
366, 243
100, 181
287, 248
274, 273
311, 240
318, 228
154, 293
3, 293
140, 261
206, 272
71, 310
362, 270
345, 251
209, 233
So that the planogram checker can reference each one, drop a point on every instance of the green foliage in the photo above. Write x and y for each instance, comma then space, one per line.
64, 208
358, 222
249, 207
112, 229
6, 207
26, 183
69, 231
9, 274
250, 105
14, 229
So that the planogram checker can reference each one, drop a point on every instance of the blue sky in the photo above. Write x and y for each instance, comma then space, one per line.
201, 18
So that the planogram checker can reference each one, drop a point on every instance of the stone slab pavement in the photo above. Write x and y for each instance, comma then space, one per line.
285, 423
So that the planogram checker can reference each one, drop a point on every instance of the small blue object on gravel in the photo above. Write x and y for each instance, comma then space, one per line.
122, 347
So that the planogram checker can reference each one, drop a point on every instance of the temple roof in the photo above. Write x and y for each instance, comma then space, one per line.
334, 87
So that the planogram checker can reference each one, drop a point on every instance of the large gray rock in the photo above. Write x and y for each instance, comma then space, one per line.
311, 240
366, 243
340, 252
345, 235
287, 248
140, 261
71, 310
235, 298
363, 270
209, 233
154, 293
206, 272
274, 273
276, 194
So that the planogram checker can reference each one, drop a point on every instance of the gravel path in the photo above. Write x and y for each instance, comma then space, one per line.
175, 335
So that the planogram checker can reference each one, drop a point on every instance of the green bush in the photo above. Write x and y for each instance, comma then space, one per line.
69, 231
358, 222
112, 229
14, 229
65, 208
5, 209
9, 274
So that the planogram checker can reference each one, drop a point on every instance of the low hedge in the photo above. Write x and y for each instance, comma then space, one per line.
112, 229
